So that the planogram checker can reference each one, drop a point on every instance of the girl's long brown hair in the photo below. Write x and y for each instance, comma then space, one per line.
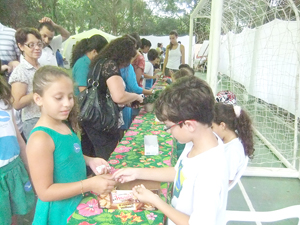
5, 93
242, 124
173, 32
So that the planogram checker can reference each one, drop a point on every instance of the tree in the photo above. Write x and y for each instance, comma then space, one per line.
113, 16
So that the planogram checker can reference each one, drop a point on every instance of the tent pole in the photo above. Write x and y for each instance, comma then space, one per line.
214, 43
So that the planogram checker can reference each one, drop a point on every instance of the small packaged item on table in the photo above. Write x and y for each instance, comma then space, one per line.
124, 199
151, 145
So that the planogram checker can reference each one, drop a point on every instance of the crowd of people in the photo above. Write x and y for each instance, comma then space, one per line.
40, 125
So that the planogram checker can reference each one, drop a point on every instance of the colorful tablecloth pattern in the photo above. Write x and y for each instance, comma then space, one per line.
130, 153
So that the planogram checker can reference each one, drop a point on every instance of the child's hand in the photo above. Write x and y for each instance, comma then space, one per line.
125, 175
103, 184
165, 79
144, 195
97, 163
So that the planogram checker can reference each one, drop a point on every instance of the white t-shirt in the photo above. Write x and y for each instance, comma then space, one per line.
148, 70
48, 56
201, 186
9, 146
235, 156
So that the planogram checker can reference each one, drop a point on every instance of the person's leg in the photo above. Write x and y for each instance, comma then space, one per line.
87, 149
167, 71
109, 143
86, 144
104, 143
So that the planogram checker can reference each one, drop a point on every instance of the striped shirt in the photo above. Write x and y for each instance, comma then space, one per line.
9, 50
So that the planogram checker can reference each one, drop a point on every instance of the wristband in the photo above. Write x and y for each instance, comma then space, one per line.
153, 91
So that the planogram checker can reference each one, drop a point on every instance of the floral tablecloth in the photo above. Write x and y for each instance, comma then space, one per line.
130, 153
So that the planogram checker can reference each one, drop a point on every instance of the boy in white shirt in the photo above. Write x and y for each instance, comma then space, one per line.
200, 175
149, 73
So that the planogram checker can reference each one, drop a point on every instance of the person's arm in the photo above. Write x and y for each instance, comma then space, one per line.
130, 80
63, 32
147, 196
166, 60
150, 77
156, 174
148, 92
94, 162
21, 143
118, 93
182, 54
40, 148
81, 88
132, 85
21, 99
138, 73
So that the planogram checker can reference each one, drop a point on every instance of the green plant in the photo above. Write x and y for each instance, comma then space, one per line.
153, 97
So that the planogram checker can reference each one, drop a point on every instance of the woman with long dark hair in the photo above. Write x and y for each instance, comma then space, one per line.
175, 55
83, 52
116, 55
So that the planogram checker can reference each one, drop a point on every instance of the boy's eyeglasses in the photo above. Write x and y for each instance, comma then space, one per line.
32, 45
166, 128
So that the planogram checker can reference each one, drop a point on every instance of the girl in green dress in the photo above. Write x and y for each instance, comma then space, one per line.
56, 163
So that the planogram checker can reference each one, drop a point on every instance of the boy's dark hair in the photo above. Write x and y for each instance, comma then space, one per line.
189, 98
188, 67
242, 124
21, 34
145, 43
183, 72
158, 45
47, 25
152, 54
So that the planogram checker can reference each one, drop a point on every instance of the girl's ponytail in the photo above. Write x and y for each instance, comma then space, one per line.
79, 50
245, 131
237, 120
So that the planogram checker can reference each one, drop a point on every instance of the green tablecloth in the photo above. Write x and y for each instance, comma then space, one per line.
130, 153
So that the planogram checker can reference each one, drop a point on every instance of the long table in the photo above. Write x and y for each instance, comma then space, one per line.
130, 153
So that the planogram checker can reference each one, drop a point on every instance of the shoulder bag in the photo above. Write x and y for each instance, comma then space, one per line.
97, 110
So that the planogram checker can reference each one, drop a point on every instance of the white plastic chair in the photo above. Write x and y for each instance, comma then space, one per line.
269, 216
239, 174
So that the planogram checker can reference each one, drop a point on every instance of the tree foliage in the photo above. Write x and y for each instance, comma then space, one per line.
156, 17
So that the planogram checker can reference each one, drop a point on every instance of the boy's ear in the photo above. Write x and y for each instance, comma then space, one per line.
191, 125
223, 125
38, 99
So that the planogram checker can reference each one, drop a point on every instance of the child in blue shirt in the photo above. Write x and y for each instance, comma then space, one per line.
16, 195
